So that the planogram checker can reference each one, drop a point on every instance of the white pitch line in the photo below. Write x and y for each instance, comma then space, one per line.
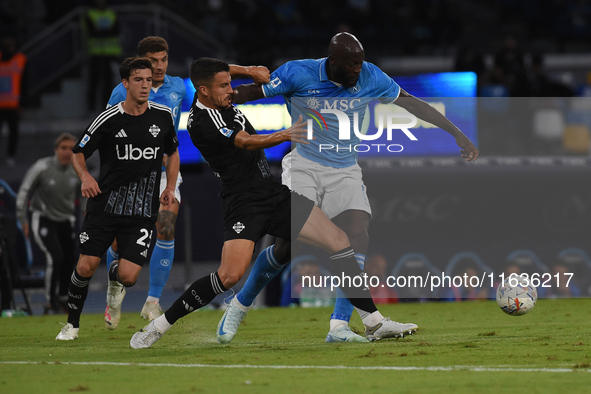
474, 368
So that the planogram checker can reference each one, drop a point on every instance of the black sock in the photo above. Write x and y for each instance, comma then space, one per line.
344, 264
114, 272
199, 294
77, 292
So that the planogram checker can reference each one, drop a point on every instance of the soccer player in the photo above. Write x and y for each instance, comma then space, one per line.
341, 194
254, 205
169, 91
131, 138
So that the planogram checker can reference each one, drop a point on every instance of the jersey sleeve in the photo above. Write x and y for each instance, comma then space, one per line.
387, 90
91, 139
117, 95
217, 130
181, 90
172, 142
28, 186
281, 82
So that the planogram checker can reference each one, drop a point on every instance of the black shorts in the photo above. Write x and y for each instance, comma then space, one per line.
270, 209
133, 236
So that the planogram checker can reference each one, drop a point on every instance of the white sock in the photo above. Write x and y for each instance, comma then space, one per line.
334, 323
162, 324
372, 319
152, 299
240, 307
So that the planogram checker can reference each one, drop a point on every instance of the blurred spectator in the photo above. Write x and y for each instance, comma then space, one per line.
52, 185
308, 292
312, 293
377, 266
563, 283
104, 48
466, 291
12, 92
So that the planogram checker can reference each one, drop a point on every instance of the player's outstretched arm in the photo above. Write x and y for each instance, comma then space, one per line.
424, 111
90, 187
259, 74
245, 93
296, 133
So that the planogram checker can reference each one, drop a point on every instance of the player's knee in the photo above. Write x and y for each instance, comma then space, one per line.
340, 240
229, 278
282, 252
127, 282
358, 236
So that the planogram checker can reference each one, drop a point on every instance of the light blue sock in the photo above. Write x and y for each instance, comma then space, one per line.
263, 270
343, 309
160, 266
111, 256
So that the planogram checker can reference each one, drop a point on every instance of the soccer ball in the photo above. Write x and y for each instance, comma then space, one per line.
516, 296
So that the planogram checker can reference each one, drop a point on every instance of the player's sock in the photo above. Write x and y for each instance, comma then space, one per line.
114, 273
263, 270
77, 292
370, 319
343, 309
160, 266
111, 256
344, 264
162, 324
199, 294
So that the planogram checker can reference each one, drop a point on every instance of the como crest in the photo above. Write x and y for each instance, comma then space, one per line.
154, 130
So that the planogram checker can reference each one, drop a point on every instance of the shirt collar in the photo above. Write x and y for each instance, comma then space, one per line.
166, 81
200, 105
323, 74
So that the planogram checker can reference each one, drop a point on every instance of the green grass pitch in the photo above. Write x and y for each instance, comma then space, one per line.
460, 347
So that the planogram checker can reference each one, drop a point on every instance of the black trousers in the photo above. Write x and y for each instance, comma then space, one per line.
57, 241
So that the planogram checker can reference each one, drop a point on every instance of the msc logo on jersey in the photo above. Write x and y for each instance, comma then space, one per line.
85, 139
128, 152
154, 130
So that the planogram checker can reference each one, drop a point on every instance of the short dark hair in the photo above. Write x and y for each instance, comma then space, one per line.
204, 69
64, 137
151, 44
134, 63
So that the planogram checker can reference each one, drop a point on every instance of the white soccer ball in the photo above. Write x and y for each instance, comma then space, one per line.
516, 296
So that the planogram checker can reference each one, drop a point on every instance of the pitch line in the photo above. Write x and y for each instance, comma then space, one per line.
473, 368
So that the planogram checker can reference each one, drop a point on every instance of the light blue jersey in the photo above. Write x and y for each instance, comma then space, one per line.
307, 90
170, 93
